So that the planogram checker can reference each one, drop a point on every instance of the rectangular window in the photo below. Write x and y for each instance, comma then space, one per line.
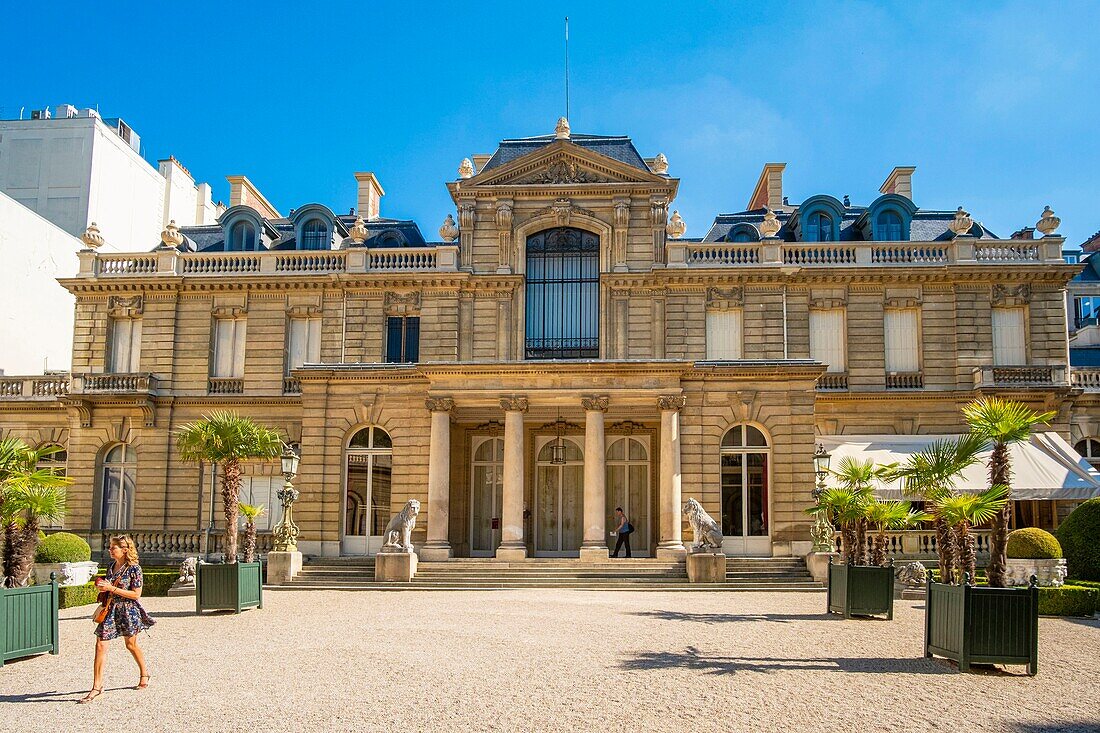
1009, 343
1086, 310
902, 340
303, 342
724, 334
229, 337
827, 342
125, 345
263, 490
402, 340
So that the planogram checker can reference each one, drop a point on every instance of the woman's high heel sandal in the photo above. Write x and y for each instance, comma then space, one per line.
92, 695
143, 682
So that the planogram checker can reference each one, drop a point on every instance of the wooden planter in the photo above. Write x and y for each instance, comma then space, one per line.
229, 587
861, 590
980, 625
28, 621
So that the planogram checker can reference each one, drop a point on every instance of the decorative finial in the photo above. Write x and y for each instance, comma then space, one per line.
676, 226
962, 223
466, 168
92, 239
660, 164
449, 230
171, 236
770, 226
358, 231
1048, 223
561, 132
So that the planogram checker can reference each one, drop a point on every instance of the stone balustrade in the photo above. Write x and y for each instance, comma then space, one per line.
47, 387
1044, 376
830, 381
165, 544
1087, 378
138, 382
919, 544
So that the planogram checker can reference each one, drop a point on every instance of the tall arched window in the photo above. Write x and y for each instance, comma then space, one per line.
117, 486
628, 486
819, 227
314, 235
563, 294
1089, 449
57, 463
369, 478
487, 489
744, 461
242, 237
888, 227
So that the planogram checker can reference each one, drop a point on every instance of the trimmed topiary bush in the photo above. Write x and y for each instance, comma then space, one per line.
1033, 543
1079, 536
70, 596
63, 547
1067, 600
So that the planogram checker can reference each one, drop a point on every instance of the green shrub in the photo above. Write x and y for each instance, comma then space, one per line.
1034, 544
1083, 583
1068, 600
63, 547
158, 583
1080, 539
71, 596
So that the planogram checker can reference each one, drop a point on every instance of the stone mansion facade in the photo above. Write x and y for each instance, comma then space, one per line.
562, 350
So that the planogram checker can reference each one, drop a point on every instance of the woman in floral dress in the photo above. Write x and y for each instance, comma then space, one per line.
126, 617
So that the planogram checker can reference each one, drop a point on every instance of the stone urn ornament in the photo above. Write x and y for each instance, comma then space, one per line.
171, 237
770, 226
660, 164
68, 573
358, 232
962, 223
676, 226
466, 168
92, 238
449, 230
1048, 224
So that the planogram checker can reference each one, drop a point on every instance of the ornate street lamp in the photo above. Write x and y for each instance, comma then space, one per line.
286, 531
557, 450
822, 531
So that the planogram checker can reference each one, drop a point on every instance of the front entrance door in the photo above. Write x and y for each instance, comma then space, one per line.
487, 491
368, 474
559, 494
628, 487
745, 504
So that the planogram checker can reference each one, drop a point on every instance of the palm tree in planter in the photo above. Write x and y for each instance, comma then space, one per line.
228, 439
844, 508
962, 512
860, 478
887, 516
28, 495
251, 512
1002, 422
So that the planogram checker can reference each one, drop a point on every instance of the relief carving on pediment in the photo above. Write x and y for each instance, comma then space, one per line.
120, 306
1010, 296
559, 172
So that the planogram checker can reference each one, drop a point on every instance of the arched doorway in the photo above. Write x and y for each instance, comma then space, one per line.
628, 472
559, 495
368, 475
562, 295
487, 496
746, 477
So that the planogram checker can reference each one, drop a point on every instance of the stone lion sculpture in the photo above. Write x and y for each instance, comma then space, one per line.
708, 535
187, 571
398, 535
913, 575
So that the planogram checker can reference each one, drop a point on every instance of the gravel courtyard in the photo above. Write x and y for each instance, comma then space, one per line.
543, 660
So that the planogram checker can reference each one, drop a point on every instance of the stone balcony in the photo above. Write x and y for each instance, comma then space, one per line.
38, 388
1021, 377
1086, 378
137, 383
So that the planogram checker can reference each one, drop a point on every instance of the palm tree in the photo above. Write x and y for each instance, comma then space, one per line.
28, 494
228, 439
250, 512
1002, 422
963, 511
860, 477
886, 516
845, 508
930, 473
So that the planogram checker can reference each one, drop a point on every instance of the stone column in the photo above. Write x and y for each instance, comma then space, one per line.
669, 543
438, 547
594, 546
512, 543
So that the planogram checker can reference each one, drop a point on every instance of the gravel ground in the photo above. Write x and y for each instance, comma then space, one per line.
546, 660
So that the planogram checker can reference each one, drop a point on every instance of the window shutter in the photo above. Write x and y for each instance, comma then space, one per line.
412, 339
134, 364
299, 337
900, 331
393, 340
313, 350
724, 334
239, 330
827, 338
1009, 343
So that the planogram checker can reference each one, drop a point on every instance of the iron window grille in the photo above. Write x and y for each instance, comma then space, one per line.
563, 295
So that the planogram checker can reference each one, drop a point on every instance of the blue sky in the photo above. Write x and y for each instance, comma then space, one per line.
996, 104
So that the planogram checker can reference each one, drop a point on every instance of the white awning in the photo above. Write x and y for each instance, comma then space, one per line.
1046, 467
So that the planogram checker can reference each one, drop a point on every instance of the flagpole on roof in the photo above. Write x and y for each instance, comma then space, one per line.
567, 67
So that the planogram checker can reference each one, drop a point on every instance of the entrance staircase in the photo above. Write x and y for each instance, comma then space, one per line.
637, 574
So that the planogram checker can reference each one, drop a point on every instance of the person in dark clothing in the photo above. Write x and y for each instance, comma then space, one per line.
624, 530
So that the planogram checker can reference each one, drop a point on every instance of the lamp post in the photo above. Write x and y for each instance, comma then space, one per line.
286, 531
822, 531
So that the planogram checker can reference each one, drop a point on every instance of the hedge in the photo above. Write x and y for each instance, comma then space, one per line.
155, 582
1083, 583
1078, 536
63, 547
1032, 543
76, 595
1067, 600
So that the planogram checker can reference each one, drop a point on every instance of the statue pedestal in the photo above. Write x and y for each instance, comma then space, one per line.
181, 589
706, 567
392, 567
818, 565
283, 566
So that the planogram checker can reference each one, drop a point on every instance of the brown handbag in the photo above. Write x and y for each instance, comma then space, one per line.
100, 614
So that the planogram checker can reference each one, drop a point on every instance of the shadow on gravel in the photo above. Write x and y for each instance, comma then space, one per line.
1067, 726
726, 618
691, 658
53, 696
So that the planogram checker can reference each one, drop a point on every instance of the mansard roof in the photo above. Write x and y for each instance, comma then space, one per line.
617, 147
383, 232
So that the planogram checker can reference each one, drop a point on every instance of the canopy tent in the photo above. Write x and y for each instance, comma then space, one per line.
1045, 468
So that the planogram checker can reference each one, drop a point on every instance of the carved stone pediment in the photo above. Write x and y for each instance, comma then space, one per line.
720, 298
1007, 296
120, 306
563, 163
401, 304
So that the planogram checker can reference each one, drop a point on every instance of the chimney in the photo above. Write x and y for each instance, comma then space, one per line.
1092, 244
242, 192
1025, 233
370, 195
769, 188
479, 161
900, 181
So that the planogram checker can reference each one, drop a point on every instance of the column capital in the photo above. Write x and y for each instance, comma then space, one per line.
674, 402
439, 404
513, 404
595, 404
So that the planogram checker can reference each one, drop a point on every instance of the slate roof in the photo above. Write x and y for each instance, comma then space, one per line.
618, 147
1091, 271
382, 233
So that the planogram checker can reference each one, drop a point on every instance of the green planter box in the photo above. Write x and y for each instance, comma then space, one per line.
861, 590
229, 587
981, 625
28, 621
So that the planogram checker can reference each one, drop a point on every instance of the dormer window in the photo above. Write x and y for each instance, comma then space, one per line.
819, 227
888, 227
242, 237
315, 235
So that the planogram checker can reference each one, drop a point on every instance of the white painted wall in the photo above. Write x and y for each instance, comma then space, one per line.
126, 194
36, 314
180, 194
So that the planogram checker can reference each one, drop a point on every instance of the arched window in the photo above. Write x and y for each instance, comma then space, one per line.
119, 479
1089, 449
628, 486
242, 237
819, 227
56, 463
315, 235
487, 488
888, 227
563, 294
744, 465
369, 478
741, 236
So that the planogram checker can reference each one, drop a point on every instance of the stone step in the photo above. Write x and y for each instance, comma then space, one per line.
677, 587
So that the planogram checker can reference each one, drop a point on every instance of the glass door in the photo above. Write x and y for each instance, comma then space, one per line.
628, 473
559, 492
745, 506
487, 496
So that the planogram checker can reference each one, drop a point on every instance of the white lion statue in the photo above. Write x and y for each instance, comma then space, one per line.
187, 571
708, 535
912, 575
398, 535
